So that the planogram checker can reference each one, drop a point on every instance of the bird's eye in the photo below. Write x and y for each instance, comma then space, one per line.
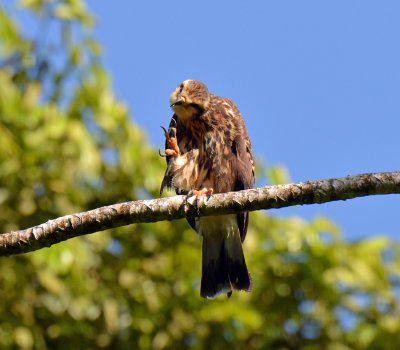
180, 88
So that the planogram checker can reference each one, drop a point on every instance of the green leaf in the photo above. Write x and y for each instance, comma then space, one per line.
278, 175
65, 12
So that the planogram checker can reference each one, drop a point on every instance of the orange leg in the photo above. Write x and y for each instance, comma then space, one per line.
172, 142
200, 193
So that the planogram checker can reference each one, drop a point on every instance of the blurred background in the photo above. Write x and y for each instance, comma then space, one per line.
84, 87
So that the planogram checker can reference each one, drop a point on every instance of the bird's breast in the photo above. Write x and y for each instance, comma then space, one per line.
185, 170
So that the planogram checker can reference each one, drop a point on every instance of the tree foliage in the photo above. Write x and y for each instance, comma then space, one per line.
68, 145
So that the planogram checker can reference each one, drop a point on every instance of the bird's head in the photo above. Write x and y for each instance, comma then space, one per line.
190, 99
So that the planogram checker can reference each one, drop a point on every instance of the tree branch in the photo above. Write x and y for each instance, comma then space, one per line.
170, 208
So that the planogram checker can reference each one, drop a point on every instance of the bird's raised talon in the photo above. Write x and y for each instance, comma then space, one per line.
165, 131
172, 142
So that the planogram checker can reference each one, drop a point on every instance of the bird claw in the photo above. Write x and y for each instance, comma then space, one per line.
201, 193
174, 120
172, 142
197, 196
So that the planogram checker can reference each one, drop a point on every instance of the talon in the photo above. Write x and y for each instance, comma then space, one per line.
172, 144
202, 192
161, 155
165, 131
171, 152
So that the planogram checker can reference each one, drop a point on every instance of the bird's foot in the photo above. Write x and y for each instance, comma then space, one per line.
196, 197
172, 142
200, 193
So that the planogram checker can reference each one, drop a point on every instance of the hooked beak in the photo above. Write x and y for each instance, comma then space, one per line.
181, 100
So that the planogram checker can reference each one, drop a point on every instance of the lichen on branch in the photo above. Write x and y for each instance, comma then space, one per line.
171, 208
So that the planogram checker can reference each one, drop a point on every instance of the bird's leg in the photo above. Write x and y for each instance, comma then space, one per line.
200, 193
198, 196
172, 144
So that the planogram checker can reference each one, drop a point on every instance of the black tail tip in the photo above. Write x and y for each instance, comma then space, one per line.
239, 276
237, 280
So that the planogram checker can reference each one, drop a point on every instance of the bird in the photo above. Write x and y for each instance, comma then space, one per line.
208, 150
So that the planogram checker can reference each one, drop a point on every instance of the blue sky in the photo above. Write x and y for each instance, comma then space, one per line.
317, 82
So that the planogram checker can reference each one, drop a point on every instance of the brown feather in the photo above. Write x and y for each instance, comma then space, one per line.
215, 153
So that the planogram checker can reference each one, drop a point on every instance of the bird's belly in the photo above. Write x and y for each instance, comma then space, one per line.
223, 225
185, 171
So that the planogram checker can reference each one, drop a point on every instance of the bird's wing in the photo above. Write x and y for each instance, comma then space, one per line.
242, 161
244, 177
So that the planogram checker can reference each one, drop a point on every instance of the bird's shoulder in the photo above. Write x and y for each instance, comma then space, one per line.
223, 106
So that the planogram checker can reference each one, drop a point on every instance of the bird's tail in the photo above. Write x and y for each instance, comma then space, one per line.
224, 268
